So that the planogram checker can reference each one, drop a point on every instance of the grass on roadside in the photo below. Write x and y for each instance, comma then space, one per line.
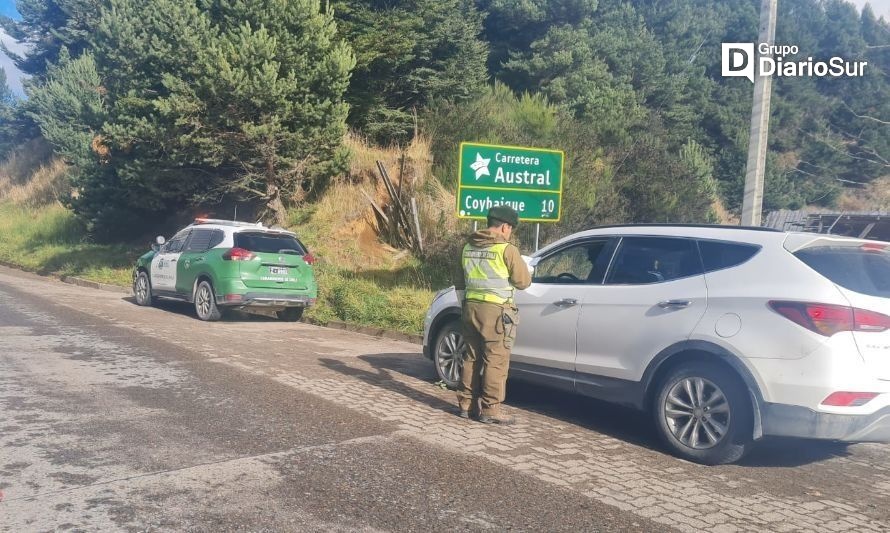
50, 240
393, 299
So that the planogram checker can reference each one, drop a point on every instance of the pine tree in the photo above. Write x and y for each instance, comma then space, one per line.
410, 53
266, 98
69, 109
7, 116
222, 98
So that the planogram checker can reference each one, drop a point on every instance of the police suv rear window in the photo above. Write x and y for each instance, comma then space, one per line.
199, 240
271, 243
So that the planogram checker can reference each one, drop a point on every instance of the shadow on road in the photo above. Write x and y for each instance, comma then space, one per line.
618, 422
784, 453
622, 423
382, 377
188, 310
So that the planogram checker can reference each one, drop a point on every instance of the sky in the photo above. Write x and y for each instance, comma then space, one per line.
880, 7
13, 76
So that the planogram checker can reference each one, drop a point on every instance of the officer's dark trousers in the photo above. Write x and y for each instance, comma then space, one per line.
484, 374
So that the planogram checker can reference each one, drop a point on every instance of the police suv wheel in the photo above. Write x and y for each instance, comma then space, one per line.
142, 289
205, 302
703, 414
448, 353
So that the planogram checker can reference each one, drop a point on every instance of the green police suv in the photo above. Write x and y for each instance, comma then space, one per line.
219, 265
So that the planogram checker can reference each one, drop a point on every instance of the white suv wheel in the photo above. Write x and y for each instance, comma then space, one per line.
702, 412
448, 354
697, 413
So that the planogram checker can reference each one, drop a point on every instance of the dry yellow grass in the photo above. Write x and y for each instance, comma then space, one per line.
417, 156
346, 219
724, 216
874, 197
30, 176
47, 185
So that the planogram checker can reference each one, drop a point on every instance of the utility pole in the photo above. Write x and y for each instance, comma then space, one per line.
752, 204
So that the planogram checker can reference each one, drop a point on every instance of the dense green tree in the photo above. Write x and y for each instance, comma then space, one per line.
275, 114
225, 97
187, 102
511, 26
7, 116
409, 53
69, 108
564, 66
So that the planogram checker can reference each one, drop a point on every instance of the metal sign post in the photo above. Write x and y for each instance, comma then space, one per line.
537, 235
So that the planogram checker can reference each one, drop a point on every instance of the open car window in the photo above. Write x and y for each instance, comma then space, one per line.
581, 263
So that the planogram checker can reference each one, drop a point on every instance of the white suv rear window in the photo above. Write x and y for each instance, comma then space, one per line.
863, 270
717, 255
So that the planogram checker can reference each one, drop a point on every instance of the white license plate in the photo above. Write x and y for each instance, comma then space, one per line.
278, 270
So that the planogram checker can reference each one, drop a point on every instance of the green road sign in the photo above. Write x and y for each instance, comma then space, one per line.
527, 179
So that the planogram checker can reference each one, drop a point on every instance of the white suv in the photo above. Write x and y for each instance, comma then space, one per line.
725, 334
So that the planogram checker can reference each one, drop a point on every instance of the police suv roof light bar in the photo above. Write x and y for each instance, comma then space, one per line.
228, 222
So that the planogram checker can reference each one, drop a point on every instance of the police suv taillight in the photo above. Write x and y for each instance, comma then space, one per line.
238, 254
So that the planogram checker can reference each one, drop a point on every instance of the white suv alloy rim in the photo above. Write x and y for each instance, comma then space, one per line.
450, 355
697, 413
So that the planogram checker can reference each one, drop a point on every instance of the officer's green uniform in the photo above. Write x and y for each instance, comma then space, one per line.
491, 270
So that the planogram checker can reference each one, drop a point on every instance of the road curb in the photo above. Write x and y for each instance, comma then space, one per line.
71, 280
375, 332
333, 324
80, 282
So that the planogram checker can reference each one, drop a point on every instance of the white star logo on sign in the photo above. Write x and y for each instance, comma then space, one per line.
481, 166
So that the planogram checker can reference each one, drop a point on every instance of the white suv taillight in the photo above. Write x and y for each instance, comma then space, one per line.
828, 319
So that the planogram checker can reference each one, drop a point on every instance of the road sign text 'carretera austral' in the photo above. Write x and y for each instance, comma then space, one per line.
529, 180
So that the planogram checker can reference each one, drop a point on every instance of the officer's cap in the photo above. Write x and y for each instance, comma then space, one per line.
504, 213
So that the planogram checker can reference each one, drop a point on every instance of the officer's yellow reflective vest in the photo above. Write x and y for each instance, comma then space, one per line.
486, 274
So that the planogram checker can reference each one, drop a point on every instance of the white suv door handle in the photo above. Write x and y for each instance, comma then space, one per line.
566, 302
674, 304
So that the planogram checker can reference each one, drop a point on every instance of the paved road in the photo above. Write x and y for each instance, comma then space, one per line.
116, 417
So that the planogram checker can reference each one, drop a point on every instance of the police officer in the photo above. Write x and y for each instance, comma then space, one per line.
491, 270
